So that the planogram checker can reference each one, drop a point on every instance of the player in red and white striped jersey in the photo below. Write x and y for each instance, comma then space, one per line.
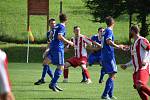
5, 89
80, 59
140, 60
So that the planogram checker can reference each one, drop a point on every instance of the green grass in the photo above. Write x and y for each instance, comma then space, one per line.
13, 21
24, 75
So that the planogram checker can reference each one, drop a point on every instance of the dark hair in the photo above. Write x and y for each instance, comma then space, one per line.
62, 17
135, 28
100, 28
75, 27
52, 19
109, 21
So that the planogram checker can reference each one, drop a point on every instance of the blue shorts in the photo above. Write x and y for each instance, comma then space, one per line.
110, 66
57, 57
93, 59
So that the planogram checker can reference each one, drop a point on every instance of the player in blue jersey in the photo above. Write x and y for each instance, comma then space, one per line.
46, 56
108, 58
95, 55
57, 50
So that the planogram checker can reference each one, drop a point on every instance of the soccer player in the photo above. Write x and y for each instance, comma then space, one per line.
5, 88
95, 55
141, 63
57, 50
80, 59
46, 55
108, 58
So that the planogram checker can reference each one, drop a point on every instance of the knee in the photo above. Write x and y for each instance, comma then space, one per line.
67, 64
60, 67
112, 75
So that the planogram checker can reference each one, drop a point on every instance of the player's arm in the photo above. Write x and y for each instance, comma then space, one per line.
91, 42
124, 66
60, 37
111, 43
145, 44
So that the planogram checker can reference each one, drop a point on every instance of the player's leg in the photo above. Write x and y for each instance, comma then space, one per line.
57, 74
66, 71
91, 60
141, 84
57, 59
86, 72
46, 69
109, 87
102, 73
84, 79
110, 69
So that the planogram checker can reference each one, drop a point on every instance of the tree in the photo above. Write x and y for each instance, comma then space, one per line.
103, 8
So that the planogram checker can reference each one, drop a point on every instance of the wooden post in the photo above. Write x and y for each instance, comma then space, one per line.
60, 6
130, 22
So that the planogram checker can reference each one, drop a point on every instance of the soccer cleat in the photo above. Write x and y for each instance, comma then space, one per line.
83, 81
105, 98
113, 98
88, 81
53, 88
65, 80
58, 88
39, 82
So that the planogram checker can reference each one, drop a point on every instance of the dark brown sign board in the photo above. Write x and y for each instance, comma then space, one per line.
38, 7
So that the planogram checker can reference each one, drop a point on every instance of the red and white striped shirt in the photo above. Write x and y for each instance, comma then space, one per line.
80, 44
4, 78
139, 54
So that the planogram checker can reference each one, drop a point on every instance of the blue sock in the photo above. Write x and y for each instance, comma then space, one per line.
57, 74
45, 68
49, 71
102, 74
111, 90
83, 75
108, 87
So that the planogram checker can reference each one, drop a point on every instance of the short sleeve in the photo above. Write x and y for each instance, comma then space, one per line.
109, 35
145, 44
61, 30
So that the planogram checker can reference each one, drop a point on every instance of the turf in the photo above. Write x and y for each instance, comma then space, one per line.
24, 75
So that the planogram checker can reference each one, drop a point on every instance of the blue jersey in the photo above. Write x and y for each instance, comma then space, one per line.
49, 35
98, 40
107, 50
57, 44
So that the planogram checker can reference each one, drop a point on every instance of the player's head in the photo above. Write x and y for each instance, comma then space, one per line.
62, 18
134, 30
110, 21
100, 31
76, 30
52, 22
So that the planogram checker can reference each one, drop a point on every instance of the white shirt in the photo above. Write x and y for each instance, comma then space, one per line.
4, 78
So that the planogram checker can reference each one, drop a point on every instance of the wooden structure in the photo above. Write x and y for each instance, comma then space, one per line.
37, 7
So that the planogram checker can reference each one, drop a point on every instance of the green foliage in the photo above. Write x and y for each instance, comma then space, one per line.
100, 9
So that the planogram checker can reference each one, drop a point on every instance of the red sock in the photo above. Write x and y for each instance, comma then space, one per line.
146, 89
66, 71
86, 72
143, 95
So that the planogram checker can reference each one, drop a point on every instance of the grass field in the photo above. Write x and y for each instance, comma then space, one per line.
24, 75
13, 21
